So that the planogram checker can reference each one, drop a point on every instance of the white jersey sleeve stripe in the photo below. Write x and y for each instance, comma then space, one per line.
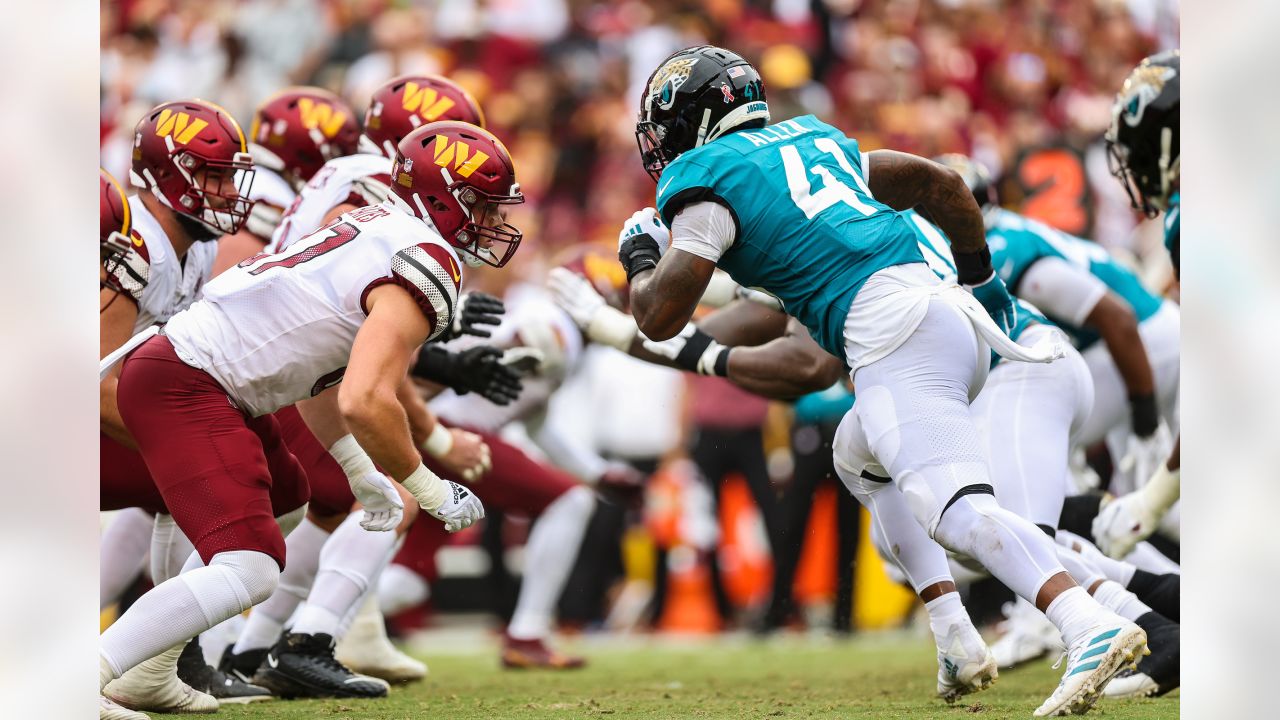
429, 284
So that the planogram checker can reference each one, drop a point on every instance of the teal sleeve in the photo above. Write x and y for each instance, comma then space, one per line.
683, 183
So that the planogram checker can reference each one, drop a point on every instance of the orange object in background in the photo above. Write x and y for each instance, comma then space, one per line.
815, 580
746, 565
690, 606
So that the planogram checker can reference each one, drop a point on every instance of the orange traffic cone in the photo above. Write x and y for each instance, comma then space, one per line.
689, 607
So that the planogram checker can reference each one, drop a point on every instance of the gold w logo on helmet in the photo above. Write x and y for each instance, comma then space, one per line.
457, 154
425, 101
179, 125
320, 115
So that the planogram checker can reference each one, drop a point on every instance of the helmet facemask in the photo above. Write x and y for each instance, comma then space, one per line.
504, 238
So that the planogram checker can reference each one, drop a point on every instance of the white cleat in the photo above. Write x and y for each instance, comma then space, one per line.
108, 710
1131, 684
965, 665
367, 650
154, 685
1106, 650
1028, 635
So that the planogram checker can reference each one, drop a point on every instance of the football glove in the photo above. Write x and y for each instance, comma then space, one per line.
382, 505
475, 309
602, 324
643, 241
460, 509
997, 301
478, 369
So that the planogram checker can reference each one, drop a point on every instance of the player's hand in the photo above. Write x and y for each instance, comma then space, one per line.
477, 369
1123, 523
460, 508
475, 311
575, 295
643, 241
469, 455
693, 350
997, 301
382, 505
622, 485
1143, 456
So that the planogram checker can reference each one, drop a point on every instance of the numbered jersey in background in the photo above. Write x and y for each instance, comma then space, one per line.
278, 328
808, 229
337, 182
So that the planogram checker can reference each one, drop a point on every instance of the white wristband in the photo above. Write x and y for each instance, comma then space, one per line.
354, 460
439, 442
612, 327
426, 487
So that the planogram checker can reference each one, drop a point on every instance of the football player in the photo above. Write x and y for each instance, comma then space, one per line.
294, 132
197, 399
193, 171
797, 210
1142, 144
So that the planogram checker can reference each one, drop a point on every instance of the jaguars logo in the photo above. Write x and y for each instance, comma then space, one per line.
668, 79
1141, 89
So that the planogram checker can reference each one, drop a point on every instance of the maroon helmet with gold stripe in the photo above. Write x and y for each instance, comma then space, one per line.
408, 102
297, 130
113, 216
192, 155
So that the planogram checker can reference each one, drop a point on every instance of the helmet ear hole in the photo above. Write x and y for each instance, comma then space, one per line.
437, 204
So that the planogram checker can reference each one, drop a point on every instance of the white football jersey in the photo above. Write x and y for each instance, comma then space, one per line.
339, 181
151, 273
271, 195
278, 328
533, 320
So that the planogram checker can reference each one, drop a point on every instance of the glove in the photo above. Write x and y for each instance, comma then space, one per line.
642, 242
997, 301
474, 310
1143, 456
382, 505
477, 369
460, 508
523, 361
1123, 523
575, 295
693, 350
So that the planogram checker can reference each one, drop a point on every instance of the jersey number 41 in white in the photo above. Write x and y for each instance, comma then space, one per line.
833, 190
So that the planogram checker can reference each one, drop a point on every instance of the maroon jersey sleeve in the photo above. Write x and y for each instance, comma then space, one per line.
131, 272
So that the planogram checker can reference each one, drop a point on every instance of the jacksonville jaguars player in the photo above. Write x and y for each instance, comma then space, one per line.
740, 194
1142, 146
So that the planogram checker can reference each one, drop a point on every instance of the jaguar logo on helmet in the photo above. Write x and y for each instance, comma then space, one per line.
668, 80
1142, 87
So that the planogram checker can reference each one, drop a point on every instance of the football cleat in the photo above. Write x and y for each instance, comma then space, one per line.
1028, 635
108, 710
242, 666
1108, 648
525, 654
367, 650
965, 665
302, 665
1156, 673
154, 685
194, 671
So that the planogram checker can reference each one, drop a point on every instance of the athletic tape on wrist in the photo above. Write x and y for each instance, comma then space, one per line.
354, 460
426, 487
439, 442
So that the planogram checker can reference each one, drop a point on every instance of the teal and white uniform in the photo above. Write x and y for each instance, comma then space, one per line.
1018, 243
1172, 216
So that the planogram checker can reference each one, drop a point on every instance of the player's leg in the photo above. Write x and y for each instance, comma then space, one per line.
122, 553
914, 406
965, 665
210, 468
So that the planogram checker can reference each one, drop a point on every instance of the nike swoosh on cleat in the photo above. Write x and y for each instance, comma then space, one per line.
272, 661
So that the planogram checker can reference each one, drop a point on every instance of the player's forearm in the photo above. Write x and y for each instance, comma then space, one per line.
659, 313
744, 323
904, 181
421, 420
379, 423
783, 369
1118, 327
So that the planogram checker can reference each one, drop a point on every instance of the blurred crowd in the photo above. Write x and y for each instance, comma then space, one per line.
1025, 86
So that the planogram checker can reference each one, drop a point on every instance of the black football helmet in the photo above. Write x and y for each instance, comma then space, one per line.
694, 97
976, 177
1142, 141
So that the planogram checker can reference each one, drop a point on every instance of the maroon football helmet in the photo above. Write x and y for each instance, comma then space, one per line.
299, 129
457, 176
411, 101
113, 217
193, 157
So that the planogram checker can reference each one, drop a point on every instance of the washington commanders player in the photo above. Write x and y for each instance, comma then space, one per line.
197, 399
192, 166
294, 132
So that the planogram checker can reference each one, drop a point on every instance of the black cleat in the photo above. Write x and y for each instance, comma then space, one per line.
242, 666
1162, 593
303, 665
1157, 673
194, 671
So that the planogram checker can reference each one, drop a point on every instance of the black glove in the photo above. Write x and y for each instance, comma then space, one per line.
475, 369
1144, 415
474, 309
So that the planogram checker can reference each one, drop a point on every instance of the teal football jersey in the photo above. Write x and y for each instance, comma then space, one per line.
808, 229
936, 249
1016, 242
1172, 216
826, 406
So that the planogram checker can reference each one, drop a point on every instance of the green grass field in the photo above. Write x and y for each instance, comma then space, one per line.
878, 676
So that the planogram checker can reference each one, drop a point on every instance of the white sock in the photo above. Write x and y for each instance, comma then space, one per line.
400, 588
1074, 613
170, 549
349, 562
354, 610
1082, 571
1146, 557
944, 612
1118, 570
548, 558
265, 623
121, 553
1113, 596
1013, 550
183, 607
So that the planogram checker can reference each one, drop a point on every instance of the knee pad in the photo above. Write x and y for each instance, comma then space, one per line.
253, 575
